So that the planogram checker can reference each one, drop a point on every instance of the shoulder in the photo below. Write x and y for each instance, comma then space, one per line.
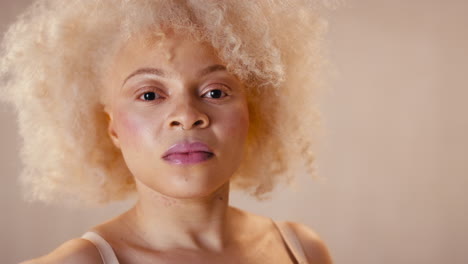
315, 249
75, 251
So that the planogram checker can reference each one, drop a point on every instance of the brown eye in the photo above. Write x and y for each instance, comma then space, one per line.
216, 94
149, 96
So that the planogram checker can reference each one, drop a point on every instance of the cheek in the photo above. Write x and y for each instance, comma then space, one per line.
234, 137
130, 128
237, 124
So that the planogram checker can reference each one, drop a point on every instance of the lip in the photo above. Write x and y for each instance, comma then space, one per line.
188, 153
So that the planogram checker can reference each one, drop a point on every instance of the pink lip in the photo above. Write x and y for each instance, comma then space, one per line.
188, 153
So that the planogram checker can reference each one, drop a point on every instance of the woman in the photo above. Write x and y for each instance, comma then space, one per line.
174, 102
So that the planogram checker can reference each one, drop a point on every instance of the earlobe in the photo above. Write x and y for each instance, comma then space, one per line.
113, 136
111, 132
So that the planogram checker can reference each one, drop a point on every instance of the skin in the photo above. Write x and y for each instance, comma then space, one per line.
182, 214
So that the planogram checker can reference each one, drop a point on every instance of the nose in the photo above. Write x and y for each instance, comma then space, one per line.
187, 115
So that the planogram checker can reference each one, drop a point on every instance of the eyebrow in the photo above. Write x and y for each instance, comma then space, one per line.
161, 73
210, 69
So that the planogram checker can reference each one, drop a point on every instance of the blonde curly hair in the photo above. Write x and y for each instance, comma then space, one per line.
52, 59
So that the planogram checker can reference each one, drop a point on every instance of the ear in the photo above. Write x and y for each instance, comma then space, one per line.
110, 129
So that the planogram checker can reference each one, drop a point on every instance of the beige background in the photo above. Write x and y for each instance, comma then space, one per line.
395, 157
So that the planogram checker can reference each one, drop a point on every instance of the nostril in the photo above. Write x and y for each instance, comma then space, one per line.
199, 122
175, 123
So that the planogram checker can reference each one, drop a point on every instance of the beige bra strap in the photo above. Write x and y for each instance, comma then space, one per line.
292, 242
107, 253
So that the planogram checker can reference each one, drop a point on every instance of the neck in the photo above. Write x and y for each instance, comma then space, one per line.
200, 223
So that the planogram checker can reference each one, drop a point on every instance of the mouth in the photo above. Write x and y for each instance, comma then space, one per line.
188, 157
188, 153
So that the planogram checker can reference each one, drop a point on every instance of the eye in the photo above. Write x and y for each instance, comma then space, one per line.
216, 94
149, 96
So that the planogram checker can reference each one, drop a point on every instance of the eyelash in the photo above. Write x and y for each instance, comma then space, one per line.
157, 96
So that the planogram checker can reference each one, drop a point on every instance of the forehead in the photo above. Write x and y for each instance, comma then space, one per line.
168, 50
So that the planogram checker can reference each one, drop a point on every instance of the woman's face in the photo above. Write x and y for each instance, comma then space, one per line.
176, 92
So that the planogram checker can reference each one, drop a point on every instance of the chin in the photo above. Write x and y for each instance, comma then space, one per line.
190, 185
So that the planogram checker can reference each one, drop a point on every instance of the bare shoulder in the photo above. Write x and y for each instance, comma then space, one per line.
315, 249
75, 251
